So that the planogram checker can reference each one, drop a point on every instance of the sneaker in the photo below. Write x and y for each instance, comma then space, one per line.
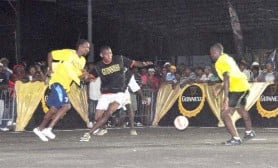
5, 129
96, 131
249, 135
90, 125
101, 132
138, 124
40, 134
133, 132
86, 137
48, 133
233, 142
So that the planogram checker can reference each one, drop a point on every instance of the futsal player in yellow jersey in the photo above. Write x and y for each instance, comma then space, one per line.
65, 66
236, 90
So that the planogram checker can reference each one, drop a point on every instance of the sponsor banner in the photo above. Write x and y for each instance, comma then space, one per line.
267, 104
192, 100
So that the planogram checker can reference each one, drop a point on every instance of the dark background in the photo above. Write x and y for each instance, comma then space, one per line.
140, 29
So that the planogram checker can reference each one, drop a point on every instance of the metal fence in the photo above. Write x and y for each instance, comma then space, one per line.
7, 107
146, 108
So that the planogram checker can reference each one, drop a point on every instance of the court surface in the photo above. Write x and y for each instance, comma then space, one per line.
160, 147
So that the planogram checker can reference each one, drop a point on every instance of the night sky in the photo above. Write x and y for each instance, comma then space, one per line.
45, 26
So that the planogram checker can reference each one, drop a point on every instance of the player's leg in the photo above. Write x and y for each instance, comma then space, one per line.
47, 117
102, 118
131, 119
249, 132
227, 119
62, 104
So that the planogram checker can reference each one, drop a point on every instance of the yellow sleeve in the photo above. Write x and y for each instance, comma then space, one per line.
61, 55
223, 66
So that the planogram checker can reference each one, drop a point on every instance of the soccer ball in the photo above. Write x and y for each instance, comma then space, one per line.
181, 122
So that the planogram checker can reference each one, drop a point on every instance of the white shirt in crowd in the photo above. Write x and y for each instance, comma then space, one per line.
94, 89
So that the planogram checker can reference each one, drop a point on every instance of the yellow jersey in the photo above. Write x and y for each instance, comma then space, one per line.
237, 80
67, 66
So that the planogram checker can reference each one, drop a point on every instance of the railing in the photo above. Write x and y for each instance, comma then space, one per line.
7, 107
146, 108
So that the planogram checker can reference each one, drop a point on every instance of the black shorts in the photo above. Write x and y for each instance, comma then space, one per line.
238, 98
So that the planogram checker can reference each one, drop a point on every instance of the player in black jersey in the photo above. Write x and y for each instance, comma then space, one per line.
113, 85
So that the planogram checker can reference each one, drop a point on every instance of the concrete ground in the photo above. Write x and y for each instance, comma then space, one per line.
161, 147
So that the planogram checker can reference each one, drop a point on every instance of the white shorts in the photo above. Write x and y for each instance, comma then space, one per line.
106, 99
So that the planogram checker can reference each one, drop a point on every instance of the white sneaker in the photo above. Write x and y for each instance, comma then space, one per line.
40, 134
96, 131
101, 132
90, 125
48, 133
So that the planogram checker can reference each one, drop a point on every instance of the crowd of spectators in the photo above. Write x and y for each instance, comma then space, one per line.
150, 78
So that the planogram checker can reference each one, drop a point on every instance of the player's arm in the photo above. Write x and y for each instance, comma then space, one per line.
141, 64
226, 83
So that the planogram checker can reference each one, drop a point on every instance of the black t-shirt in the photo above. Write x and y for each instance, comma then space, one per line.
112, 75
3, 79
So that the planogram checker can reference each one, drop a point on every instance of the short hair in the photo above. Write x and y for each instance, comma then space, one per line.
105, 47
217, 46
80, 42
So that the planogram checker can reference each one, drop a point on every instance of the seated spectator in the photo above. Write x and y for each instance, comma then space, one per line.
255, 72
199, 74
214, 77
243, 66
207, 74
268, 75
187, 77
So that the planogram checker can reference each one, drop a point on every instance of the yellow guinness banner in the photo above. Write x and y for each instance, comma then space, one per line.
267, 104
192, 100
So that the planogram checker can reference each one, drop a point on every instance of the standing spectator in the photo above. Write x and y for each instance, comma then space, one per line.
162, 75
151, 82
6, 68
144, 75
273, 59
35, 73
268, 75
94, 95
3, 78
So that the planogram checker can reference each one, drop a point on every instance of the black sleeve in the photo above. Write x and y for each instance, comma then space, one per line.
127, 62
94, 72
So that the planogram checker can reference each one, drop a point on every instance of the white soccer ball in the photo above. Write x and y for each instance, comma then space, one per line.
181, 122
